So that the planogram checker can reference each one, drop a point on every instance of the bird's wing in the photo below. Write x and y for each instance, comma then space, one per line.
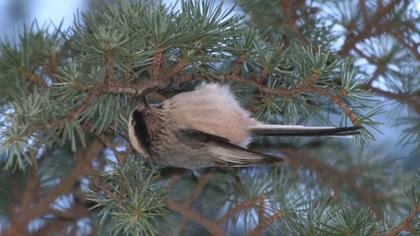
226, 153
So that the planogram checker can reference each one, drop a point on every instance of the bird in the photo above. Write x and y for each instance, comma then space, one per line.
207, 127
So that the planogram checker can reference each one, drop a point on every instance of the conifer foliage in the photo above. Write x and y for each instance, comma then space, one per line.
66, 94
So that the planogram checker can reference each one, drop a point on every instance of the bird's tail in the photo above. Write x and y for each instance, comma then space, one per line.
296, 130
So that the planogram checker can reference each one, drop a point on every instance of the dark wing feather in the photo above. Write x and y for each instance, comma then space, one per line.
228, 154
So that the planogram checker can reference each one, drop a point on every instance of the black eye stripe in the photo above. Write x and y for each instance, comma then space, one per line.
140, 128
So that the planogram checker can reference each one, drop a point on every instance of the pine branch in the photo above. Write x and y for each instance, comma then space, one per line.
411, 100
406, 225
335, 178
265, 222
156, 67
34, 78
54, 227
109, 66
372, 27
241, 206
414, 49
192, 215
177, 69
261, 209
202, 182
51, 68
306, 87
31, 189
82, 167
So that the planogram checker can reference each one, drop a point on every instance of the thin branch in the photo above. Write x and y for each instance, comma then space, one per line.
412, 48
155, 68
237, 67
90, 98
109, 67
34, 78
139, 88
364, 10
406, 225
82, 167
178, 68
372, 27
262, 75
411, 100
333, 176
265, 222
307, 86
51, 68
31, 189
281, 92
54, 227
261, 209
202, 182
242, 206
192, 215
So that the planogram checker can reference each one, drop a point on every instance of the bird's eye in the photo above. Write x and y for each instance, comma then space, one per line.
146, 113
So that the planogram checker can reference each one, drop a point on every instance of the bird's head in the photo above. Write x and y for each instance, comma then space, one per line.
140, 125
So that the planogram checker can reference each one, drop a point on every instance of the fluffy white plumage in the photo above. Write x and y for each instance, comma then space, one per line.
213, 109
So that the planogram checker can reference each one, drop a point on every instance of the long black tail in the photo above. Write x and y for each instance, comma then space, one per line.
292, 130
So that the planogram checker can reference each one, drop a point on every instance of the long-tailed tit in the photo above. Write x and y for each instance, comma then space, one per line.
207, 127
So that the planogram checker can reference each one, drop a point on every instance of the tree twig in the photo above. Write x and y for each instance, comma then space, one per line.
189, 214
406, 225
82, 167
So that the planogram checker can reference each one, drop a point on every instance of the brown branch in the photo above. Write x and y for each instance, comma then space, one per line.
291, 17
31, 189
82, 167
411, 100
141, 87
51, 68
362, 5
34, 78
120, 156
343, 105
334, 177
117, 87
261, 209
406, 225
307, 86
242, 206
238, 65
72, 214
202, 182
372, 27
192, 215
412, 48
174, 180
281, 92
265, 222
90, 98
364, 55
109, 66
178, 68
260, 77
155, 68
55, 227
